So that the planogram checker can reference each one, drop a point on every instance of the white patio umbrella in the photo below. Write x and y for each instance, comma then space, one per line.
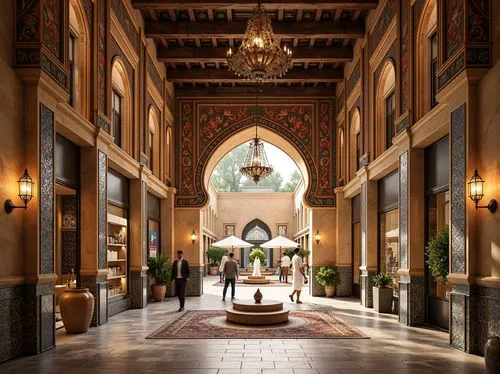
280, 242
232, 242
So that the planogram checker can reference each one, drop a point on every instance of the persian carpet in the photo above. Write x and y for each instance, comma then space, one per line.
212, 324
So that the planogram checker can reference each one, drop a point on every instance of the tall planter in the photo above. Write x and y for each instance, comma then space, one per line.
159, 291
77, 307
382, 299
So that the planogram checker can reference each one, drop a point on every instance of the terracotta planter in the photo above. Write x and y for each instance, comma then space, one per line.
77, 307
382, 299
214, 270
492, 355
159, 291
330, 291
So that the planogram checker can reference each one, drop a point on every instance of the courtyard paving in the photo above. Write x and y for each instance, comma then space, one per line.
120, 346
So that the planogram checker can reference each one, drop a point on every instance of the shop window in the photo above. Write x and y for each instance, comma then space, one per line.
354, 144
153, 142
168, 150
117, 117
389, 246
390, 107
341, 153
358, 150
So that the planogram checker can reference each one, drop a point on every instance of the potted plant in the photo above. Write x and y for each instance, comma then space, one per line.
159, 269
257, 252
382, 293
437, 256
328, 277
214, 256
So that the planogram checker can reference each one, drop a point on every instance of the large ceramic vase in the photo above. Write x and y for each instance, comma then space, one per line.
492, 355
159, 291
330, 290
214, 270
77, 307
382, 299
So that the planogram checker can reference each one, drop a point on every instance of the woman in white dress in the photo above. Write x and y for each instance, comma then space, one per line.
298, 276
256, 267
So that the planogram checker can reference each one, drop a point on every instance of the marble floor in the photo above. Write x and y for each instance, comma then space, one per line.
120, 346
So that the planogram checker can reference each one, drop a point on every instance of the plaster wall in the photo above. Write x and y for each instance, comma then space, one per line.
324, 252
12, 146
488, 165
187, 220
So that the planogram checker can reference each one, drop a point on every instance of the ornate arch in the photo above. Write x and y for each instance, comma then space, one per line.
262, 227
205, 127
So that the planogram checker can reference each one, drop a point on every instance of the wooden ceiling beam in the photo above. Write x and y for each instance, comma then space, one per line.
216, 76
250, 4
236, 29
245, 92
308, 54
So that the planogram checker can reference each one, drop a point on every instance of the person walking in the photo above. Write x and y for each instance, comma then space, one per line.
230, 276
285, 268
299, 277
180, 274
221, 267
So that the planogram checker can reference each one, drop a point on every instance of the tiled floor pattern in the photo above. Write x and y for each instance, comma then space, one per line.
120, 346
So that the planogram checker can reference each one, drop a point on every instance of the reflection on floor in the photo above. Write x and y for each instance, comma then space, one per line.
121, 347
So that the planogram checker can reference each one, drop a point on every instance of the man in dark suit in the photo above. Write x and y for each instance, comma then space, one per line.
180, 274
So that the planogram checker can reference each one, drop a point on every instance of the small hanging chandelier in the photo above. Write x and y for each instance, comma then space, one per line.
259, 57
256, 166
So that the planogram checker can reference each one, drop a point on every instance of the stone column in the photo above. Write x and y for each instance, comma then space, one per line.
93, 217
138, 242
344, 244
369, 230
411, 232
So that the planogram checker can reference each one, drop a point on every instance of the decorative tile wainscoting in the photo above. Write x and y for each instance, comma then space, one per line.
315, 289
138, 289
98, 286
118, 305
411, 300
345, 286
11, 329
367, 288
194, 286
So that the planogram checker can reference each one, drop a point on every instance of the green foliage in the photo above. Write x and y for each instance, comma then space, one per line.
257, 252
291, 185
291, 251
226, 176
159, 269
328, 276
382, 279
437, 254
215, 254
273, 181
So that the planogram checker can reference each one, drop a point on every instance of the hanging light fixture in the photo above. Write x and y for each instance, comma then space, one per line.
259, 57
256, 166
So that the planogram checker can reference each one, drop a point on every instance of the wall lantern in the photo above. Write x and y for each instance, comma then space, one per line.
25, 192
193, 237
476, 192
317, 236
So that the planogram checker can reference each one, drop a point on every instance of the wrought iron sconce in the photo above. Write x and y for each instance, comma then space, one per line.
317, 236
193, 237
476, 192
25, 193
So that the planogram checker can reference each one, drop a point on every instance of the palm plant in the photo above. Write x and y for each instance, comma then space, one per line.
159, 269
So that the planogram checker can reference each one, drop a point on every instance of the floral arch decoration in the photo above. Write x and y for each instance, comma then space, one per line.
204, 126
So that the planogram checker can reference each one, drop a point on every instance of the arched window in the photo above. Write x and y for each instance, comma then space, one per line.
79, 59
341, 153
153, 141
385, 108
121, 107
355, 143
168, 150
426, 57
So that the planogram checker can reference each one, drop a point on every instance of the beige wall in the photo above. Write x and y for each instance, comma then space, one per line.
488, 165
12, 146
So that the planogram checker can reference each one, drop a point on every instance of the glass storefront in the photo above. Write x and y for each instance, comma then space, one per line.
153, 238
389, 246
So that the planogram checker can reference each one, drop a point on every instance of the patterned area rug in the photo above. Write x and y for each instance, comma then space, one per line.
212, 324
239, 283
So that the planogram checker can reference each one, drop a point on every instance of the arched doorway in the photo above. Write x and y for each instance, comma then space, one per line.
256, 232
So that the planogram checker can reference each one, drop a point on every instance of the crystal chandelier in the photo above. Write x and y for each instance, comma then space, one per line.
259, 57
256, 166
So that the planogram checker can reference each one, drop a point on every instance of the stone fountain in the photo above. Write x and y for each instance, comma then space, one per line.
257, 311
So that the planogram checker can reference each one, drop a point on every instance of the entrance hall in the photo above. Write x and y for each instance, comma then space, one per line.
336, 161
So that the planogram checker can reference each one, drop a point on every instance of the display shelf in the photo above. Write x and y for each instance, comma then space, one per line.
117, 277
117, 256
